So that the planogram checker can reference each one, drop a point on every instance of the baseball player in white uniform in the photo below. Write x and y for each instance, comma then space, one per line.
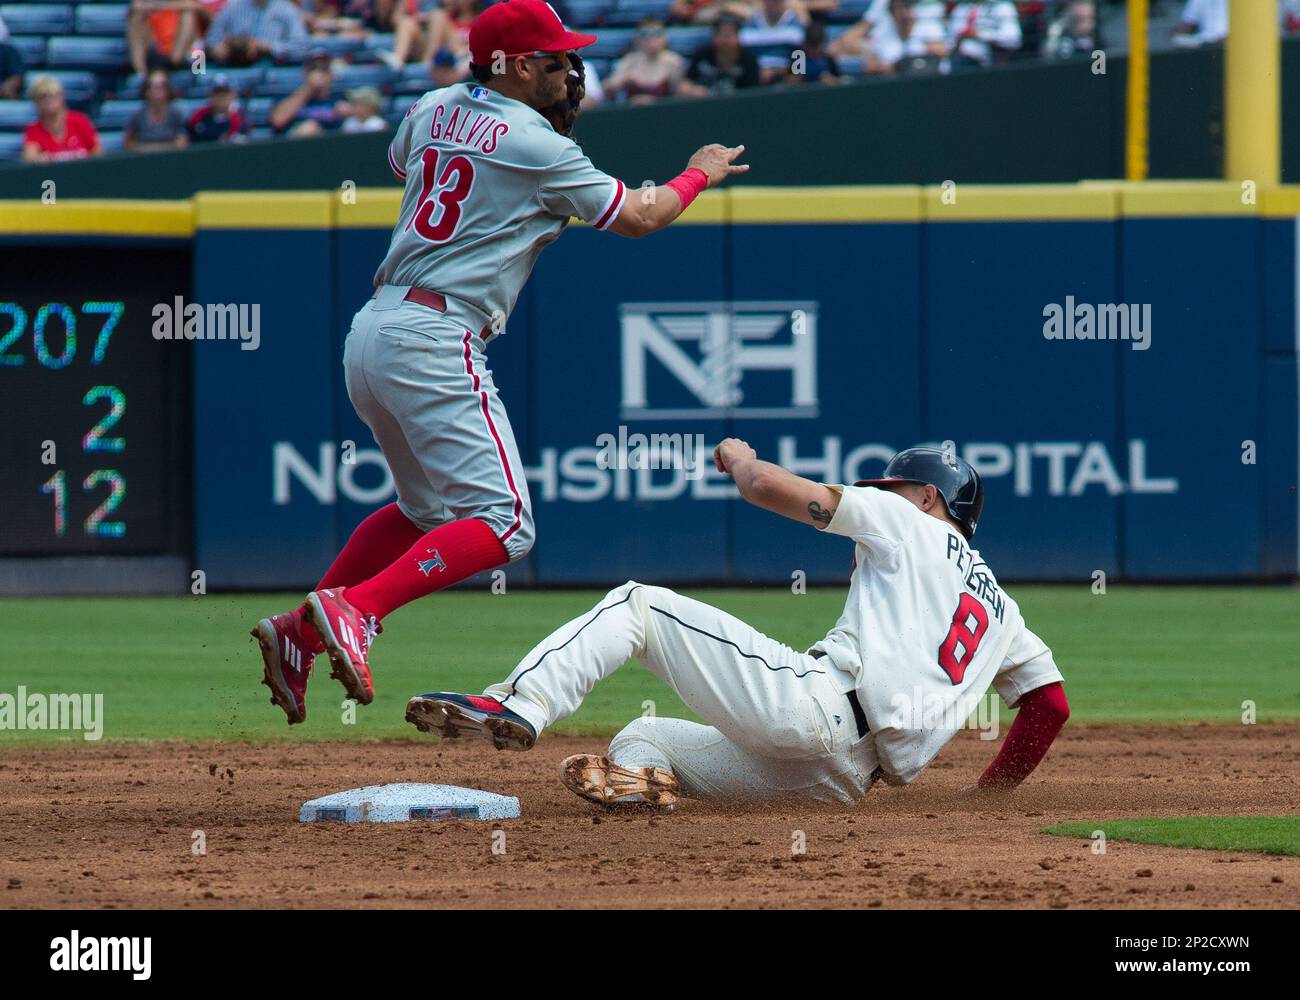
491, 177
925, 631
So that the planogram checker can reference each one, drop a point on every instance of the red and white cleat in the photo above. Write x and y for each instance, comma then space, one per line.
347, 635
287, 660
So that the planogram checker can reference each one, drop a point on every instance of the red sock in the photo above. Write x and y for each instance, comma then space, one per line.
376, 542
444, 556
1043, 712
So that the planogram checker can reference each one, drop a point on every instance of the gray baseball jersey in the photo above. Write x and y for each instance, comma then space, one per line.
489, 183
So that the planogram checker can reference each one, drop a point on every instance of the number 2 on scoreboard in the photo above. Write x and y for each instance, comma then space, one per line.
963, 635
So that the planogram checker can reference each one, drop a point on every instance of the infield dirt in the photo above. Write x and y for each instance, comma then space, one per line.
114, 826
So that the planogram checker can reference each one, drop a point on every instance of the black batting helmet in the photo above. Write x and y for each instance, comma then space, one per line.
955, 479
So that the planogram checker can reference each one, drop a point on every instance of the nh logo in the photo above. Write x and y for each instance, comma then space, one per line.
709, 348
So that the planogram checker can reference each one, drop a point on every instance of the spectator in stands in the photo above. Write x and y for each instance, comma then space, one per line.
446, 69
11, 67
162, 32
983, 31
896, 35
812, 61
427, 27
1290, 14
349, 18
221, 119
1204, 21
722, 65
651, 70
1074, 33
159, 124
775, 23
594, 86
249, 30
362, 113
310, 110
59, 133
708, 11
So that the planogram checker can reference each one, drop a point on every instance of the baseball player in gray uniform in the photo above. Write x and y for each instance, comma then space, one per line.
492, 176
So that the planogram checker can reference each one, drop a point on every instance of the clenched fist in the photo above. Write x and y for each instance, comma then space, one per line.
731, 450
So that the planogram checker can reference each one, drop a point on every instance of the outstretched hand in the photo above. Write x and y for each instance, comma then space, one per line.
718, 162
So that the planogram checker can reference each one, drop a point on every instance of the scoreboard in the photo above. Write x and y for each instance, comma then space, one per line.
94, 411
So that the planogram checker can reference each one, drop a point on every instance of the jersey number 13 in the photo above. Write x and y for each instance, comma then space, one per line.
445, 186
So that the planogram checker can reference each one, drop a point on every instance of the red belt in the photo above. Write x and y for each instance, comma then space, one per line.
424, 297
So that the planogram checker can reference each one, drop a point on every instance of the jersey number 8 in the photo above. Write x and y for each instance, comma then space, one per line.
963, 635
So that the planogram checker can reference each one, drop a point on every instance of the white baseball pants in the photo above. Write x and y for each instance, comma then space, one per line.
780, 723
419, 379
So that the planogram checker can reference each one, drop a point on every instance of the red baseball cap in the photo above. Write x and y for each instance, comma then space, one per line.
520, 28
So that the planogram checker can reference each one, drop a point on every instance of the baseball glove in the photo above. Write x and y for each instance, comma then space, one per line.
563, 114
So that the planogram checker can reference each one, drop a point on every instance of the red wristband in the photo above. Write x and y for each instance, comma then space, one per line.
688, 184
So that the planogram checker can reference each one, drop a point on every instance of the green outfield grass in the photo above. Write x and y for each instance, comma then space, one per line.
1266, 834
185, 668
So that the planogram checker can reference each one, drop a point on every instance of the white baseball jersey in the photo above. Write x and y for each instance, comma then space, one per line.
489, 183
925, 630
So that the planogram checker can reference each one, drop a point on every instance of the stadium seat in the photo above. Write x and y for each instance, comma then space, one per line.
32, 48
182, 80
244, 80
378, 75
112, 142
101, 19
610, 43
11, 145
16, 115
339, 45
37, 18
588, 13
77, 52
848, 11
687, 40
371, 48
79, 86
258, 110
412, 86
188, 105
851, 65
280, 81
116, 113
629, 13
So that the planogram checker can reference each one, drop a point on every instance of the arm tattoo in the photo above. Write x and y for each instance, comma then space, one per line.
820, 515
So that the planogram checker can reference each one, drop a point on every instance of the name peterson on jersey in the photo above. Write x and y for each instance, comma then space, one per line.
925, 630
489, 183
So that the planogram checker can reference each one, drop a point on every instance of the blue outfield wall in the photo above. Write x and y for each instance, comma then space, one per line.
827, 327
